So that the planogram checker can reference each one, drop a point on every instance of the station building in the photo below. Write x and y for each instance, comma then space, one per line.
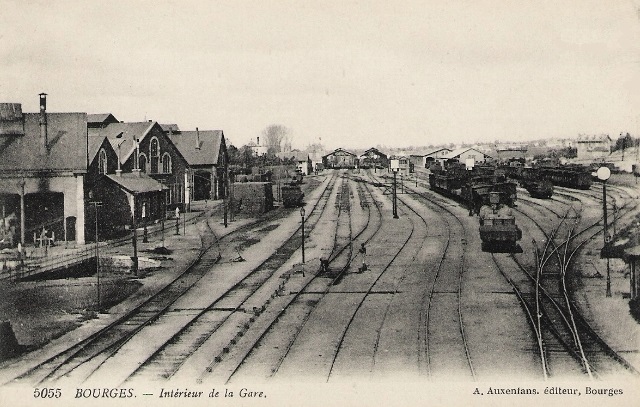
43, 168
207, 157
117, 201
144, 146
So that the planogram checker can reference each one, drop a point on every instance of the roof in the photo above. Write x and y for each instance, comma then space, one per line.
130, 132
599, 138
339, 150
101, 118
94, 144
136, 183
375, 151
430, 152
460, 151
210, 144
11, 119
170, 128
67, 144
296, 155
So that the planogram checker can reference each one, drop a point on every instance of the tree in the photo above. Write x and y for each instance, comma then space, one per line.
623, 142
274, 136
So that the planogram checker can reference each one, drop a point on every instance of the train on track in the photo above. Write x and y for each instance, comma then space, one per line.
539, 180
486, 191
535, 186
472, 187
498, 229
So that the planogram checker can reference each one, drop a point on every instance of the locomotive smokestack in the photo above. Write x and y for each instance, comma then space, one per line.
197, 139
43, 123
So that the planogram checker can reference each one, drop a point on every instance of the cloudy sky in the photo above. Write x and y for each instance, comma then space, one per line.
353, 73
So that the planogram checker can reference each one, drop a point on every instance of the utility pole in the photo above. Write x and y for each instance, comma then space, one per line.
134, 238
96, 204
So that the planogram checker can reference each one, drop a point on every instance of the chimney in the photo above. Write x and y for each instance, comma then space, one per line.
258, 140
197, 139
44, 143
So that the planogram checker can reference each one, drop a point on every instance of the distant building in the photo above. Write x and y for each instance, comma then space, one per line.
511, 152
596, 147
301, 159
373, 157
464, 154
340, 158
424, 159
257, 149
405, 165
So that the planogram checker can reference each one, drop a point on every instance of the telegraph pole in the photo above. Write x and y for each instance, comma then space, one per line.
96, 204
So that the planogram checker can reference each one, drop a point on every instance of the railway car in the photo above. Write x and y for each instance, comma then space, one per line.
569, 176
498, 229
472, 187
536, 186
292, 195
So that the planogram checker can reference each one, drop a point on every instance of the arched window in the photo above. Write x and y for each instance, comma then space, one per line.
142, 162
154, 155
102, 161
166, 163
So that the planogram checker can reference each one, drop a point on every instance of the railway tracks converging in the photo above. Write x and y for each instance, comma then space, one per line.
563, 335
343, 314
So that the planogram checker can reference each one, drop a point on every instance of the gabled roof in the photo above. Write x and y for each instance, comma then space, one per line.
296, 155
67, 144
374, 151
124, 134
430, 152
94, 144
210, 143
136, 183
460, 151
100, 119
170, 128
339, 150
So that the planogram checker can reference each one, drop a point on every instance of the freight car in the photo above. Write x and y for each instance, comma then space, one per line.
536, 186
498, 229
292, 195
472, 187
570, 176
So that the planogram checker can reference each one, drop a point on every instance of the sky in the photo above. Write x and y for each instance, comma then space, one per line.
351, 74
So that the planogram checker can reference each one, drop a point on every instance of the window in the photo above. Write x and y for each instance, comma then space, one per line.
154, 155
102, 162
166, 163
142, 162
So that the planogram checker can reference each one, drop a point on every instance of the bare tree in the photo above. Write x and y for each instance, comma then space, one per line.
274, 135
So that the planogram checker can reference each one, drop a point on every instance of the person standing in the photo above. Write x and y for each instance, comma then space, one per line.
363, 252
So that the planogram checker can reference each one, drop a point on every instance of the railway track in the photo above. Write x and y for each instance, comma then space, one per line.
105, 342
568, 331
296, 306
231, 313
